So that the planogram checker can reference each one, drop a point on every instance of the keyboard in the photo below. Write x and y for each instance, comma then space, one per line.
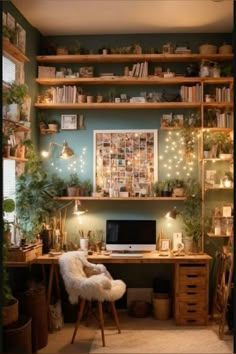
126, 255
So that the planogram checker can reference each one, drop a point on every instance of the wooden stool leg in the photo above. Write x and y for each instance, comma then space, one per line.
114, 312
80, 314
101, 321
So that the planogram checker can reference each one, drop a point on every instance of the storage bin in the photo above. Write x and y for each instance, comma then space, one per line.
161, 306
208, 49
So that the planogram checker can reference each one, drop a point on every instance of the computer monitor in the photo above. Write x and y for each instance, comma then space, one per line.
131, 235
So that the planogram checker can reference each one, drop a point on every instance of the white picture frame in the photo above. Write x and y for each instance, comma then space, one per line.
21, 38
69, 122
115, 165
227, 211
10, 21
165, 244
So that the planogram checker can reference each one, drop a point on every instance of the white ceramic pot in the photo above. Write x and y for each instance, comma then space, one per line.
83, 244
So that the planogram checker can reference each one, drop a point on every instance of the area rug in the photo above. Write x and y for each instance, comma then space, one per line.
160, 337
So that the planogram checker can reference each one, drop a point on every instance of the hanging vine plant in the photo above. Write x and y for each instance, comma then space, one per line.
188, 137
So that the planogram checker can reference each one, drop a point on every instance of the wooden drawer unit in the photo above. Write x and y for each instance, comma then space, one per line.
191, 294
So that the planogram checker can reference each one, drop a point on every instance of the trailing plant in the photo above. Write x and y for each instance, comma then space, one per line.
192, 210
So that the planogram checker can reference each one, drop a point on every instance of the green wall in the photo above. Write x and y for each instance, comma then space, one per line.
100, 119
32, 47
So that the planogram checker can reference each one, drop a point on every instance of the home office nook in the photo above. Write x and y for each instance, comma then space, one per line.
118, 179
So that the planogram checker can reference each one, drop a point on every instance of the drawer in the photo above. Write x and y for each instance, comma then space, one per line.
192, 272
192, 320
192, 296
195, 284
192, 308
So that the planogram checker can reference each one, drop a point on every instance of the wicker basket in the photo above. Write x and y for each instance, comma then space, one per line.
208, 49
225, 49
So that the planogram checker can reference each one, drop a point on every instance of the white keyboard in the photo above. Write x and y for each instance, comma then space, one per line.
126, 254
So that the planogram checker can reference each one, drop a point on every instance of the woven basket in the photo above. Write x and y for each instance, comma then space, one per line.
208, 49
225, 49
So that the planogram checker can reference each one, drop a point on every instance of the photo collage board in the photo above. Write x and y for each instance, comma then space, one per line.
125, 160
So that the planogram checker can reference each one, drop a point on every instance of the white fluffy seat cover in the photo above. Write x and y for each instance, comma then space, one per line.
101, 286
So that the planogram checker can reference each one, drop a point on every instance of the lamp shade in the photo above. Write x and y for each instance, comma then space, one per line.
78, 208
66, 151
172, 213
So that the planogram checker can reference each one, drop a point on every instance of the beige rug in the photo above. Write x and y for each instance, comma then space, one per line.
153, 336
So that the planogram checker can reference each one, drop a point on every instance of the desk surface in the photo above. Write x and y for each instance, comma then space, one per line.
152, 257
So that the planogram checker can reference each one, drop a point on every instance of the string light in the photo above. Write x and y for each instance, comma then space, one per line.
177, 164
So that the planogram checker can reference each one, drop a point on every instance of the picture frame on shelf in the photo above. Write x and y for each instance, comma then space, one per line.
10, 21
69, 122
165, 244
227, 210
21, 38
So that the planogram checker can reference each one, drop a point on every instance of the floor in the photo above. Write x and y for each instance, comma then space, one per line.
139, 335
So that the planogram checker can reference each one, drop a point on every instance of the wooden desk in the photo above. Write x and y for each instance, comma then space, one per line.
191, 281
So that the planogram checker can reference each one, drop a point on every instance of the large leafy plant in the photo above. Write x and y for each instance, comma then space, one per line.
192, 210
34, 197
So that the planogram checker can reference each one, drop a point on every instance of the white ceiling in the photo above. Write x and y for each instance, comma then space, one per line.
81, 17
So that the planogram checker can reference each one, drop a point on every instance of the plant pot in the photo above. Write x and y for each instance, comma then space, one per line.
178, 192
13, 112
83, 244
188, 245
71, 191
206, 154
52, 127
10, 313
17, 337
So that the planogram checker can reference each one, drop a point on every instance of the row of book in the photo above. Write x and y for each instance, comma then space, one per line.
224, 120
139, 69
191, 93
223, 94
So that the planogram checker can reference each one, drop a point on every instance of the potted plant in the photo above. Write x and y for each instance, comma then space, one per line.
86, 187
13, 97
10, 303
73, 185
178, 186
157, 188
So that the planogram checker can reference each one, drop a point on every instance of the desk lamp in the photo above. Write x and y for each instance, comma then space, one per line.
65, 152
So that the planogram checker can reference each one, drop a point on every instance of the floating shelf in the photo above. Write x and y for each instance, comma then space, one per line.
8, 47
122, 58
120, 198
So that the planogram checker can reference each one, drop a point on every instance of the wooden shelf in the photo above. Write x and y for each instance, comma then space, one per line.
20, 127
216, 129
125, 105
18, 159
122, 58
8, 47
218, 104
48, 131
119, 80
126, 80
120, 198
213, 235
217, 80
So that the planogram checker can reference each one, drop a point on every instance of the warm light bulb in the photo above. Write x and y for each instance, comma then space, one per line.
44, 153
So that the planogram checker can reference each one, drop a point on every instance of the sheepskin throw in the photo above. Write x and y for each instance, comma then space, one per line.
87, 280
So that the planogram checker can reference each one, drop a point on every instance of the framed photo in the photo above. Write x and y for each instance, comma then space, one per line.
21, 38
165, 244
125, 160
10, 21
227, 211
69, 121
